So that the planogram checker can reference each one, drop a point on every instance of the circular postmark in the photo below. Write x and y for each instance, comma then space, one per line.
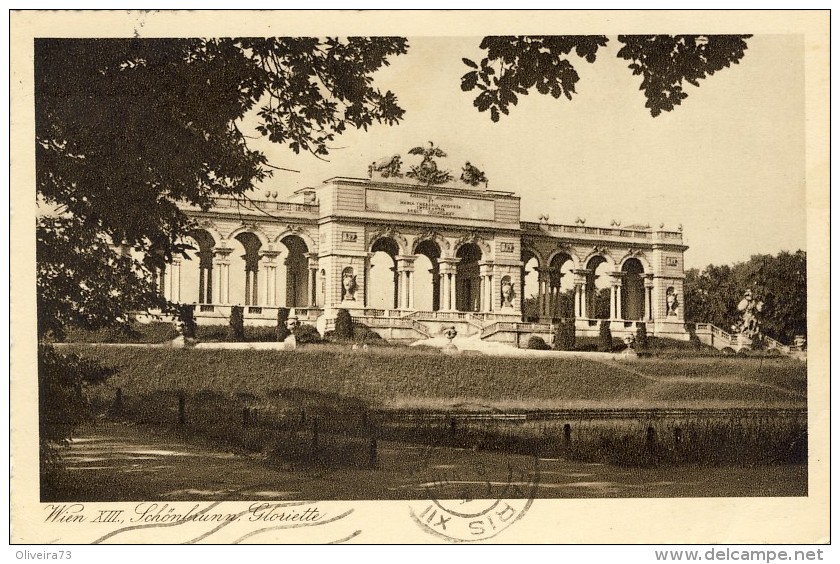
474, 500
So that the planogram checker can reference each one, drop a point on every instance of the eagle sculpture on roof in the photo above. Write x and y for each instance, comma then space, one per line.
427, 171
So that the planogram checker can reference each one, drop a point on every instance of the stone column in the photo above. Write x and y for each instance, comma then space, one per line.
615, 295
405, 268
312, 286
447, 287
581, 279
175, 281
269, 270
486, 272
222, 265
444, 287
542, 294
649, 298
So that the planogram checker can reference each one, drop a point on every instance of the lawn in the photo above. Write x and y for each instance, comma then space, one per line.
394, 377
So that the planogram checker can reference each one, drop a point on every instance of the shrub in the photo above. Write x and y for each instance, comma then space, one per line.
186, 314
642, 336
281, 331
63, 404
305, 334
537, 343
605, 343
237, 322
564, 338
343, 325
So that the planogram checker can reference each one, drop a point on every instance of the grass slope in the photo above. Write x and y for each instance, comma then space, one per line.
407, 377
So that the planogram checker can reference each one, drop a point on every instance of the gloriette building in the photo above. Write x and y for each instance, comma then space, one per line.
409, 254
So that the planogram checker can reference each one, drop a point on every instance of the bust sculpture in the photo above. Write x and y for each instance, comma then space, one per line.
348, 282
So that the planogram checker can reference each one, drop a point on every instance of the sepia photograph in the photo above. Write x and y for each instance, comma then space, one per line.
468, 276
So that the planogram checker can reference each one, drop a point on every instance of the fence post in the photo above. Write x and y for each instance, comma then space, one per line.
650, 437
372, 449
118, 401
182, 408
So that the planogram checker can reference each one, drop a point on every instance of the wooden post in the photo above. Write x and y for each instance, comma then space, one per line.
372, 450
118, 401
650, 437
314, 435
182, 408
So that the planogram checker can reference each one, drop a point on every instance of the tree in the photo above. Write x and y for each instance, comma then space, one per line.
343, 325
281, 332
237, 323
62, 404
779, 281
564, 337
641, 336
517, 65
129, 129
605, 343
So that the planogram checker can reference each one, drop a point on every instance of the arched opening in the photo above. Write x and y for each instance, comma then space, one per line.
633, 290
561, 287
384, 278
427, 276
198, 273
244, 287
468, 278
297, 271
530, 292
598, 288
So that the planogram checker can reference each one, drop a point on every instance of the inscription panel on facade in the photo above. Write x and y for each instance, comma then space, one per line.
436, 205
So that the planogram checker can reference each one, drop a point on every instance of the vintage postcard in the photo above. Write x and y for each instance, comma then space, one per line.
419, 277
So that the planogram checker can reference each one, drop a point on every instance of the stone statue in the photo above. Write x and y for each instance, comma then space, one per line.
629, 342
749, 325
450, 333
348, 282
386, 167
427, 172
671, 302
472, 176
507, 293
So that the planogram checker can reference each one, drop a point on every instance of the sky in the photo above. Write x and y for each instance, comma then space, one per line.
728, 165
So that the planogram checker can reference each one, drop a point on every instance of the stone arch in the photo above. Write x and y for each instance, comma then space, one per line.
311, 244
603, 253
198, 274
598, 293
435, 237
254, 229
484, 246
383, 285
529, 282
402, 242
533, 252
638, 256
211, 228
632, 289
431, 249
297, 269
468, 276
565, 251
244, 269
561, 284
